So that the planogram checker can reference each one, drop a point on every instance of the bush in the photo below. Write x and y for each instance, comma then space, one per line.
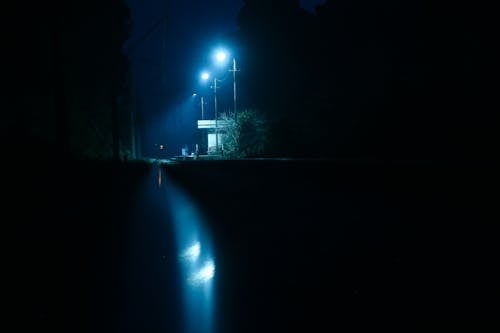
245, 135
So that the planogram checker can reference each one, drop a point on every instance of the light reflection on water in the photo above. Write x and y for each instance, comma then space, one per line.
195, 257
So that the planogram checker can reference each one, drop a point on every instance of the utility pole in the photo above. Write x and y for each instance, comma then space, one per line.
234, 70
216, 116
202, 113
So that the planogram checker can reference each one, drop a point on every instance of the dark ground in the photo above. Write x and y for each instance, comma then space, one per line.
299, 244
321, 243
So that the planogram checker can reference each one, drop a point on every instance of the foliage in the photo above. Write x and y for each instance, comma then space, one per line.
68, 77
374, 78
95, 77
245, 135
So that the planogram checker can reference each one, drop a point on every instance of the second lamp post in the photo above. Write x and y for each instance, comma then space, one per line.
221, 57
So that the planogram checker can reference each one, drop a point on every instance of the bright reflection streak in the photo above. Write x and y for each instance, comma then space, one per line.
192, 253
205, 274
196, 258
159, 177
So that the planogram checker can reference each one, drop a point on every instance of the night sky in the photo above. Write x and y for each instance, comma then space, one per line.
169, 61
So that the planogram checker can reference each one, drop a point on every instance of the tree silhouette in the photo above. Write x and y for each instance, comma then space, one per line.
368, 79
66, 75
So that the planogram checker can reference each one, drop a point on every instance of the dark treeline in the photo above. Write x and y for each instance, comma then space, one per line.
374, 79
66, 79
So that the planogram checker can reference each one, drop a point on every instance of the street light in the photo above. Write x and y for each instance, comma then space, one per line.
202, 112
202, 104
205, 76
221, 56
216, 116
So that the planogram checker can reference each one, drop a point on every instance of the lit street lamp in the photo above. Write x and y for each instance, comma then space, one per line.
205, 76
234, 85
221, 57
202, 105
202, 113
216, 116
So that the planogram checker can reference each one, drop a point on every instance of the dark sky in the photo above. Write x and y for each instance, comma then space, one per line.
192, 28
170, 58
175, 41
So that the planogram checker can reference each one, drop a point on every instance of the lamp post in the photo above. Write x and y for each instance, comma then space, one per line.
221, 56
216, 116
202, 102
234, 85
202, 113
205, 76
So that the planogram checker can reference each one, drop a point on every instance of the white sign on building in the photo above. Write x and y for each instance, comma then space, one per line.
207, 124
213, 127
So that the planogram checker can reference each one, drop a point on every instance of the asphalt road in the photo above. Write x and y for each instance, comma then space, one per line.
310, 244
320, 243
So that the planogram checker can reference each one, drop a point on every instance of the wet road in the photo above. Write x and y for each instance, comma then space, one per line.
318, 244
310, 244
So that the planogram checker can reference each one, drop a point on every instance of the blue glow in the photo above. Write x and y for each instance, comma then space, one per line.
204, 274
191, 253
205, 76
195, 259
221, 56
